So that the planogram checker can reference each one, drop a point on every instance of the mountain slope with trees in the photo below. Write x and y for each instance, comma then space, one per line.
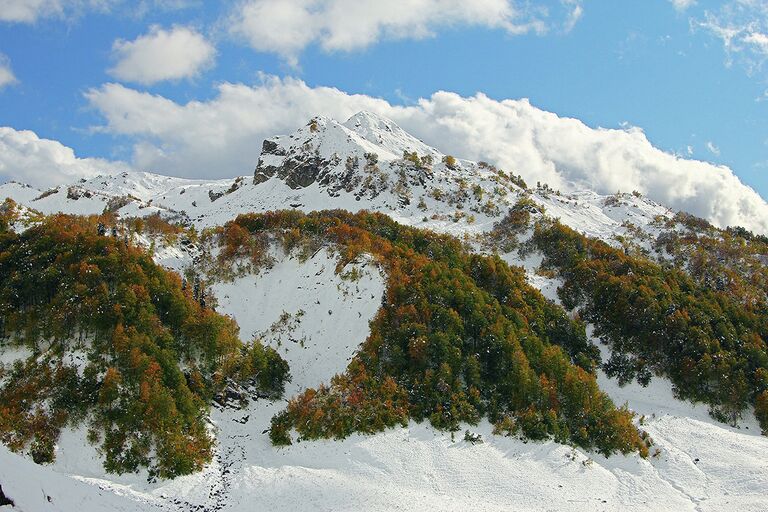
459, 336
150, 357
107, 359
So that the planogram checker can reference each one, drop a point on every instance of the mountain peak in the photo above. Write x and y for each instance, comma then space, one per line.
387, 134
327, 150
370, 120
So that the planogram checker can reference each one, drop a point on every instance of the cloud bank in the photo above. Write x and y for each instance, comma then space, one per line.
159, 55
43, 163
286, 27
222, 137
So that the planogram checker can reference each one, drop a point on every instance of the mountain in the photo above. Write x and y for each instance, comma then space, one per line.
360, 164
407, 320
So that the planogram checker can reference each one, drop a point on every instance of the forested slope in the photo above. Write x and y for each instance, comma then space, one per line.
459, 336
148, 357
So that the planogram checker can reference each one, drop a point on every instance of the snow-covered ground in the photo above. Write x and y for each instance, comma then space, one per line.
313, 317
702, 466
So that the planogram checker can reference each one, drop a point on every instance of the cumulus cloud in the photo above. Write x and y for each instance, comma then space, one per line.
6, 74
42, 163
180, 52
28, 11
222, 137
286, 27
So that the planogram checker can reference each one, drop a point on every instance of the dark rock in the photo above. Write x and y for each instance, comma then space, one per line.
263, 173
5, 500
302, 171
271, 147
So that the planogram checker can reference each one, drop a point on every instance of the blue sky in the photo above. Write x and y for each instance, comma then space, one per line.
689, 74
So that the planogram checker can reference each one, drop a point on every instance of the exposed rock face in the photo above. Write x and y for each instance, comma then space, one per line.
214, 195
298, 169
302, 170
271, 147
259, 176
263, 172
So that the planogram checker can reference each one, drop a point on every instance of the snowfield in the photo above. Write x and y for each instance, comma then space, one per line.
312, 316
317, 318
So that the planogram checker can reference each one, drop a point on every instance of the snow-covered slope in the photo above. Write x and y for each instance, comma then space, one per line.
312, 316
317, 318
34, 488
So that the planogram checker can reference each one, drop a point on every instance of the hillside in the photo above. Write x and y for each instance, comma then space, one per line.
457, 347
110, 340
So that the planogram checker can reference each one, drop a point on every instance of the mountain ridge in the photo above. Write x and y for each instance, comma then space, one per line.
327, 168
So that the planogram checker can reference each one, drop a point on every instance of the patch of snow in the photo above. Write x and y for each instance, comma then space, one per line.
35, 488
327, 315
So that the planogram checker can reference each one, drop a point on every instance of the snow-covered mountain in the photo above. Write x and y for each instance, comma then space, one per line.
357, 165
316, 320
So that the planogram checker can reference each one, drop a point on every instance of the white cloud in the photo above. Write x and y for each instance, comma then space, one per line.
682, 5
577, 11
286, 27
223, 136
42, 163
758, 40
742, 26
30, 11
6, 74
713, 148
180, 52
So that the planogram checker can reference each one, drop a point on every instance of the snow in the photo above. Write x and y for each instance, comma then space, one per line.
418, 468
12, 353
329, 315
702, 465
383, 133
20, 192
587, 212
35, 488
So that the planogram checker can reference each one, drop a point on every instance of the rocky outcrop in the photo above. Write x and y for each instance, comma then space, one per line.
263, 172
298, 167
